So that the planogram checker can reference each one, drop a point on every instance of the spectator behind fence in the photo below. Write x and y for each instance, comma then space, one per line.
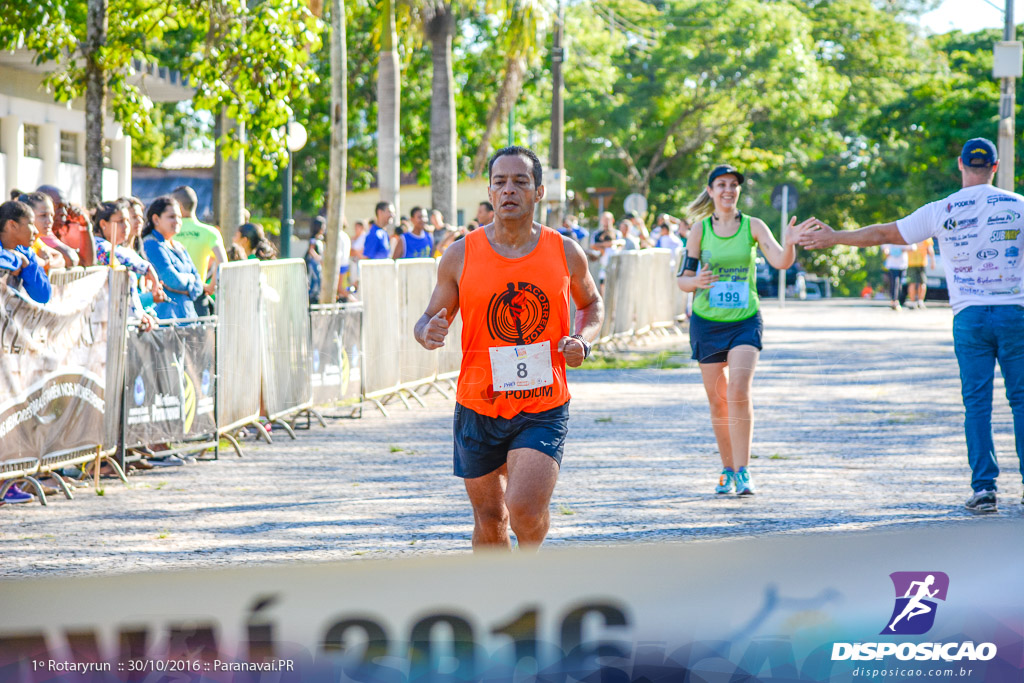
111, 228
314, 258
235, 253
173, 265
377, 244
71, 225
484, 214
19, 267
204, 244
50, 258
417, 242
42, 208
251, 238
135, 222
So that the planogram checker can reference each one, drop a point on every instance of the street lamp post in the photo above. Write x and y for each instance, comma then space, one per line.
1006, 67
295, 139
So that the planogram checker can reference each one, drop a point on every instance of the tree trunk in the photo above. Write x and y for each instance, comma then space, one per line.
443, 159
337, 175
388, 113
511, 86
232, 180
95, 100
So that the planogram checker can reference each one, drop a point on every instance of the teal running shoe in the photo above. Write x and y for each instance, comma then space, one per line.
726, 482
744, 486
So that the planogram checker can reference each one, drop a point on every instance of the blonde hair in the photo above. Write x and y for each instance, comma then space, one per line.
700, 208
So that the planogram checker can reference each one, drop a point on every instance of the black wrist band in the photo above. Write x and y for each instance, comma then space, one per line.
586, 346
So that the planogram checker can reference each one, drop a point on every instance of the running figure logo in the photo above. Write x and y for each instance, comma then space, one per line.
518, 315
916, 592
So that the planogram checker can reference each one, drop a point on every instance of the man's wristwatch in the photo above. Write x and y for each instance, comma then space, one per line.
586, 345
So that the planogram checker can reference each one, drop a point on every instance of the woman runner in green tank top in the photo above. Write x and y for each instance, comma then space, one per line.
725, 328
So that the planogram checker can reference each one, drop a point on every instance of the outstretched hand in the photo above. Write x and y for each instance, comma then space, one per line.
795, 232
436, 330
817, 235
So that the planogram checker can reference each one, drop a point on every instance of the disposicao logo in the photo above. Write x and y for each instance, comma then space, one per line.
1003, 217
916, 593
917, 596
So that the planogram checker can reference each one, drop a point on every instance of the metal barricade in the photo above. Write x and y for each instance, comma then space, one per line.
625, 297
54, 388
378, 285
337, 353
416, 365
238, 348
285, 341
663, 288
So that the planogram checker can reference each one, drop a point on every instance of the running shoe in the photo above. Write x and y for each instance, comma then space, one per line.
726, 482
744, 486
982, 501
15, 495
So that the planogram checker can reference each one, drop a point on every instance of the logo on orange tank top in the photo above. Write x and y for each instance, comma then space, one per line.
518, 316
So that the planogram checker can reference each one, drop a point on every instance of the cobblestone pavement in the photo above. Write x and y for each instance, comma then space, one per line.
859, 425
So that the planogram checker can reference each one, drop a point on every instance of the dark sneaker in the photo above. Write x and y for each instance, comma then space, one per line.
167, 461
15, 496
981, 501
744, 485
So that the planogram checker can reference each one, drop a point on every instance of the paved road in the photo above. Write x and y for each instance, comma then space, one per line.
858, 426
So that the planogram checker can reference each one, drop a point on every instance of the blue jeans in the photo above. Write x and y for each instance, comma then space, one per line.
982, 335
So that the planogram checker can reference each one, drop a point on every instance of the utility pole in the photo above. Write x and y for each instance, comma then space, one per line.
557, 156
1007, 102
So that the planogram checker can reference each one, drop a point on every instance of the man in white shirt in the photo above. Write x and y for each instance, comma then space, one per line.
980, 229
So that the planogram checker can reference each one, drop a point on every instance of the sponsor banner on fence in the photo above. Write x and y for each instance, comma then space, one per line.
337, 331
915, 605
171, 384
53, 362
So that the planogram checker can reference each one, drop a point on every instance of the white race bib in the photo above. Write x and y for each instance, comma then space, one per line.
515, 368
729, 295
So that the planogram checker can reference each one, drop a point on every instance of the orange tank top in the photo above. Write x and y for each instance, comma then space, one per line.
512, 302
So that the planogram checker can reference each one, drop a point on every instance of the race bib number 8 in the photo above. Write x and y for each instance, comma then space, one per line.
729, 295
515, 368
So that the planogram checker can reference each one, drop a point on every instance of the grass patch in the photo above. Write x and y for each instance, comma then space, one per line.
160, 485
101, 492
564, 509
163, 534
602, 419
778, 456
663, 360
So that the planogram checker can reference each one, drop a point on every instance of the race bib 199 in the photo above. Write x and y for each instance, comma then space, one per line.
729, 295
515, 368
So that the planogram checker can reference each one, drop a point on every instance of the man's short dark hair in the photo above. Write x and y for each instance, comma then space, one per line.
414, 210
381, 206
516, 150
488, 206
186, 196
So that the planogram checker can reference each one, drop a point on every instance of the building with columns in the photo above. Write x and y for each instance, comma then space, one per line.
42, 141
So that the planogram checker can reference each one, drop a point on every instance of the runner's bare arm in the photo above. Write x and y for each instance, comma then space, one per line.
821, 236
589, 305
780, 257
432, 327
690, 280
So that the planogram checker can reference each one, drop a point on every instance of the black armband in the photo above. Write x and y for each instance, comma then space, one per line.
586, 345
689, 263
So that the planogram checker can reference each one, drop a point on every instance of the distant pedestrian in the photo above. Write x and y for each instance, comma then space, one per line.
921, 255
895, 266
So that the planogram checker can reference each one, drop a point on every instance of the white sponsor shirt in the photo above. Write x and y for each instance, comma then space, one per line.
979, 230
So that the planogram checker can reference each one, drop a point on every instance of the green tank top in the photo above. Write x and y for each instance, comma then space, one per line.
732, 259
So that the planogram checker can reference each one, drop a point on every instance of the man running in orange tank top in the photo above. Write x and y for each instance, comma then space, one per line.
512, 280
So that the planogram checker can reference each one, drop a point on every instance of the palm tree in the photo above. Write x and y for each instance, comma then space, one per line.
524, 24
389, 96
439, 27
337, 175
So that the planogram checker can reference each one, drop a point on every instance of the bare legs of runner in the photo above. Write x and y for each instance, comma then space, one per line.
517, 493
732, 413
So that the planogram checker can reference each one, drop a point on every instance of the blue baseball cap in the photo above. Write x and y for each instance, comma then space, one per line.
725, 169
979, 152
